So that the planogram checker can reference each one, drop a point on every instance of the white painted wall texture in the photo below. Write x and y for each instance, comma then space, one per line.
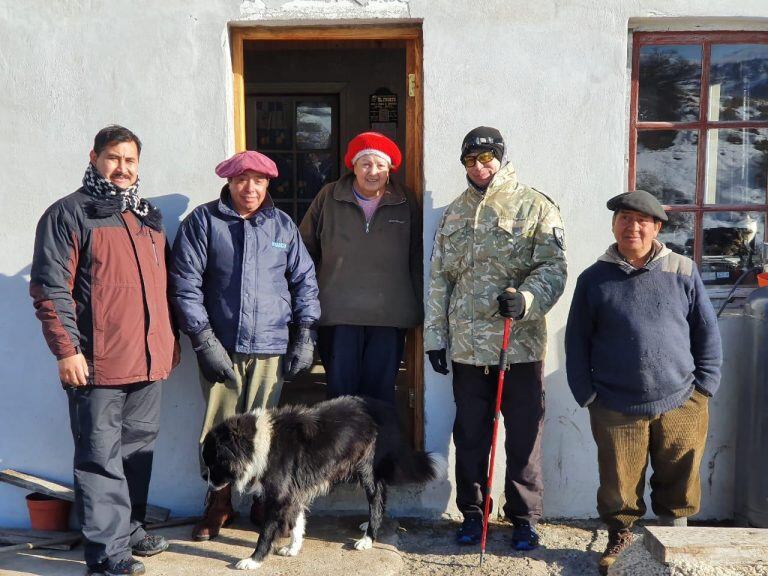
551, 75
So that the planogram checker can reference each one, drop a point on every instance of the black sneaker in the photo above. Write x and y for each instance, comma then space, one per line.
126, 567
524, 537
96, 569
150, 545
471, 531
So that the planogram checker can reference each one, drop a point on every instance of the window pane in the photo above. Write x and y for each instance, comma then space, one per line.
302, 207
677, 233
666, 164
282, 186
738, 84
314, 170
273, 125
286, 207
737, 166
670, 83
314, 124
732, 244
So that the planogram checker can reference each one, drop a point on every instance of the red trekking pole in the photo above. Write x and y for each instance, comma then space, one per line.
499, 390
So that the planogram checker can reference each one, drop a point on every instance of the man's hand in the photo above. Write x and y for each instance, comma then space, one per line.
511, 304
438, 360
301, 351
213, 360
73, 370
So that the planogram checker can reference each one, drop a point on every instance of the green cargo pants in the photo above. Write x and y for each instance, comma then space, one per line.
674, 441
258, 383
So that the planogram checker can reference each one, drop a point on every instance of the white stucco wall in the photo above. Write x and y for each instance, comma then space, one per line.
551, 75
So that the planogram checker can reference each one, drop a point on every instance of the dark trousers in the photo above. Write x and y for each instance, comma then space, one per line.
361, 360
114, 430
522, 405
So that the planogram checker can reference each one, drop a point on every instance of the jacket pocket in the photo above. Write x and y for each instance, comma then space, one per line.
456, 241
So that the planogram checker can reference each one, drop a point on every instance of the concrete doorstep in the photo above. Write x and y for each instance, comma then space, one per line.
328, 549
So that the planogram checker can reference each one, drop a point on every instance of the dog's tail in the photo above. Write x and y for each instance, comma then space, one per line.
418, 468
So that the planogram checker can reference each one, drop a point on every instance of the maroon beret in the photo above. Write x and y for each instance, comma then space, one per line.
248, 160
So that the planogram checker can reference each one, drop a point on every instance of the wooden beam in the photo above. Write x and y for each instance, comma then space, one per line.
350, 32
62, 540
707, 544
15, 537
238, 87
35, 484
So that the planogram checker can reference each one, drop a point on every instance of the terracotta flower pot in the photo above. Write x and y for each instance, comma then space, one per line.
48, 513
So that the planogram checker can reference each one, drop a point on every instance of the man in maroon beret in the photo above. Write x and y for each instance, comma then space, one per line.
240, 277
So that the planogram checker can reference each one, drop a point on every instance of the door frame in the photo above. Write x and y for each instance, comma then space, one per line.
407, 35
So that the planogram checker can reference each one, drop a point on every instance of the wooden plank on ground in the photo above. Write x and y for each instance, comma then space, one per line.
16, 536
35, 484
712, 545
40, 544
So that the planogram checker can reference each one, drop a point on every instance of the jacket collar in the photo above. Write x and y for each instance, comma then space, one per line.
506, 177
613, 256
343, 191
225, 205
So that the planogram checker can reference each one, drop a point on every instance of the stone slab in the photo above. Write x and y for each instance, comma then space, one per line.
713, 545
328, 549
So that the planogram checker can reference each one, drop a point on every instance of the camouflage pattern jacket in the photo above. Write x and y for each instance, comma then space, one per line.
511, 236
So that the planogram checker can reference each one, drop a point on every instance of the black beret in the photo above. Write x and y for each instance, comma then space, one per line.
639, 201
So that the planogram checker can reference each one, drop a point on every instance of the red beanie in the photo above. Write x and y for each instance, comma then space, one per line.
373, 143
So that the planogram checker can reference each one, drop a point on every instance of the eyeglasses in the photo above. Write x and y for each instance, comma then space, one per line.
483, 157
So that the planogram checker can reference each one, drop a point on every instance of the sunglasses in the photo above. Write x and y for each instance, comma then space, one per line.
483, 157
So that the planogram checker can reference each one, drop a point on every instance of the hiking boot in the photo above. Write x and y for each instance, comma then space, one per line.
218, 513
96, 569
150, 545
470, 532
125, 567
524, 536
618, 541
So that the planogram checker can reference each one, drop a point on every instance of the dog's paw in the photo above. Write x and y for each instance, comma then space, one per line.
364, 526
365, 543
247, 564
286, 551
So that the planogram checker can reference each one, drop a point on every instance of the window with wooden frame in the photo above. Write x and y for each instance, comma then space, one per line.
699, 143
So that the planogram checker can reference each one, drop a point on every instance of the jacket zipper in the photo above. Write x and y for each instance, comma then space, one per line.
154, 248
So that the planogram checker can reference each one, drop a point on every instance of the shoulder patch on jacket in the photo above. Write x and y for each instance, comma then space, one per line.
677, 264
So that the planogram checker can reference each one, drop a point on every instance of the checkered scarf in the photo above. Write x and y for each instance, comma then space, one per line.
110, 199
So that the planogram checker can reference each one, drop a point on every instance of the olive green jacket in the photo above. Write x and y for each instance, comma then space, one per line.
511, 236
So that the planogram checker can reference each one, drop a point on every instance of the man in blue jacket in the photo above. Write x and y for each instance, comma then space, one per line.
643, 353
239, 276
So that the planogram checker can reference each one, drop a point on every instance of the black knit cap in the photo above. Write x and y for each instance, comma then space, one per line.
639, 201
483, 138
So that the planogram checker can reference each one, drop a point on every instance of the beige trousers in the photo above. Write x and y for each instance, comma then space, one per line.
258, 383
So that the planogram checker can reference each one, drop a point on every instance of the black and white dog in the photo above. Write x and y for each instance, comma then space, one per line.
293, 454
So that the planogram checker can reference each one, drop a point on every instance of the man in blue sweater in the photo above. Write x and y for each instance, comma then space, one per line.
643, 353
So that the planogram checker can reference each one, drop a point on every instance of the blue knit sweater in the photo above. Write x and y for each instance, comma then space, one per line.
641, 339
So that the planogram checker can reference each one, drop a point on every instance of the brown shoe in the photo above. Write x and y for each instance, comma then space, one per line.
618, 541
218, 513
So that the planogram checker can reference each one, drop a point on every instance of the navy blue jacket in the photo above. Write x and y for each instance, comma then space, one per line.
248, 278
642, 339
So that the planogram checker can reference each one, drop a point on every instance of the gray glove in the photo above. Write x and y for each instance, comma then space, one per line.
511, 304
213, 360
301, 351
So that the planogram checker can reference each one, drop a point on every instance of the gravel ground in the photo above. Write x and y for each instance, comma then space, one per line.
570, 548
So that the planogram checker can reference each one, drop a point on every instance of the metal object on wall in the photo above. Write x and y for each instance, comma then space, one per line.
751, 505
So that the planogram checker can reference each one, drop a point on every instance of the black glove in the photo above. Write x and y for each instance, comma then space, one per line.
301, 351
438, 360
511, 305
212, 358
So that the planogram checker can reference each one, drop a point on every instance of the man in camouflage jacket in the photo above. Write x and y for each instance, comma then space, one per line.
499, 252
